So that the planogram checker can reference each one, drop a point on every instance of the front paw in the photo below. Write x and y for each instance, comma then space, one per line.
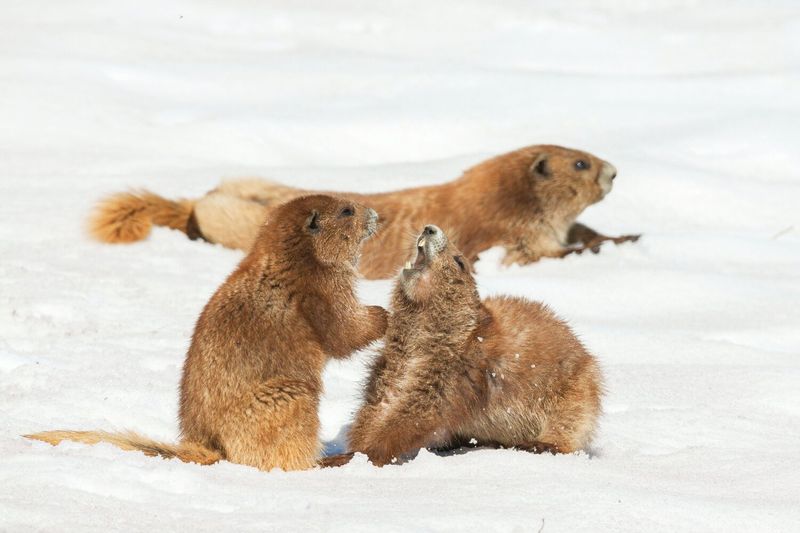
626, 238
515, 256
379, 318
592, 245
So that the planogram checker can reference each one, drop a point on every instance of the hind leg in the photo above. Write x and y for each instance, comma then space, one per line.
571, 421
393, 431
566, 428
278, 427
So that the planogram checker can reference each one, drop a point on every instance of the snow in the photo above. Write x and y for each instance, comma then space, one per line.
697, 325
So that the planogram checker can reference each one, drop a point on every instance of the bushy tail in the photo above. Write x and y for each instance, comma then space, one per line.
186, 451
129, 216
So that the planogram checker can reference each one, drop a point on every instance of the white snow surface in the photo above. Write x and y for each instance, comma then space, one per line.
697, 326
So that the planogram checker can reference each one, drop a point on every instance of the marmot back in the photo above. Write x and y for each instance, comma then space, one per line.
526, 200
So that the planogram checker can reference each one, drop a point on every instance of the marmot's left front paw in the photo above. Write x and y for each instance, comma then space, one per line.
626, 238
594, 248
379, 318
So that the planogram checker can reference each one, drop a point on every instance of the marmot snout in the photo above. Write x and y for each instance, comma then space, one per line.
415, 277
605, 178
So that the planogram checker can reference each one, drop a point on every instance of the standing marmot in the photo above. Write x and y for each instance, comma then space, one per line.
526, 200
253, 374
454, 370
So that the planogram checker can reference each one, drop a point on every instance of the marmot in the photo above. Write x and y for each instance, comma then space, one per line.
526, 200
252, 378
456, 371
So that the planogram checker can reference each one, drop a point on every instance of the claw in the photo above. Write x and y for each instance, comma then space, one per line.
626, 238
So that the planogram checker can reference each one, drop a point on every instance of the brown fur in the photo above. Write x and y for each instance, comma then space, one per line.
456, 371
130, 441
253, 374
526, 200
128, 217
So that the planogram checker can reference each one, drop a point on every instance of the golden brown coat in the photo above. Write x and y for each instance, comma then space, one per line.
527, 201
252, 377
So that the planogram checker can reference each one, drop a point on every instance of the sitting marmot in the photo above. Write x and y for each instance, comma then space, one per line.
253, 374
456, 371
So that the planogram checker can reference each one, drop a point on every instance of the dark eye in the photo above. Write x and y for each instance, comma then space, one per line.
347, 212
580, 164
460, 262
313, 222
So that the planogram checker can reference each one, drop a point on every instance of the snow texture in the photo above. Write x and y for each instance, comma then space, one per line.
697, 326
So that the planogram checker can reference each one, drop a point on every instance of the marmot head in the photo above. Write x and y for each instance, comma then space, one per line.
439, 271
327, 228
571, 176
556, 180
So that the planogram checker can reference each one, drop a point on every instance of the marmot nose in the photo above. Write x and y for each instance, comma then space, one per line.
430, 230
608, 172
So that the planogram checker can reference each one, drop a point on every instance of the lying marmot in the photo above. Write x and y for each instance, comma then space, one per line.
252, 378
526, 201
457, 371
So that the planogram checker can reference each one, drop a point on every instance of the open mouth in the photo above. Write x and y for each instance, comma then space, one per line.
421, 259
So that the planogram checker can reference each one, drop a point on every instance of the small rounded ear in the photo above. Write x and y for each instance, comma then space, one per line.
463, 264
312, 223
539, 167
